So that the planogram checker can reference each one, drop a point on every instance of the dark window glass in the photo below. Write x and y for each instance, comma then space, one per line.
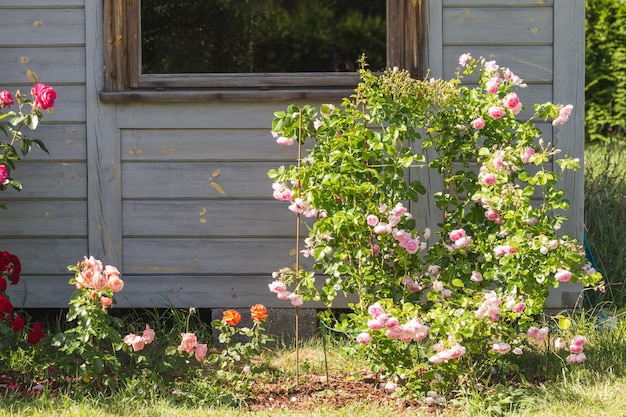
255, 36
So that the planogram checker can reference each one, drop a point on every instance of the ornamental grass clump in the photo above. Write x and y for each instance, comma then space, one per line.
446, 299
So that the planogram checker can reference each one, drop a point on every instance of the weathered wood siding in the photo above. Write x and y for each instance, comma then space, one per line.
176, 194
46, 223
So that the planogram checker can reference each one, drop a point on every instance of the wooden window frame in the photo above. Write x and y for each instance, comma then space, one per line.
405, 49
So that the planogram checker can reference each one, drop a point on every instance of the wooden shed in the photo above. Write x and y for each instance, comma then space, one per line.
166, 179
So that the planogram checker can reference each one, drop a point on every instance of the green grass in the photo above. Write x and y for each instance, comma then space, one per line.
593, 388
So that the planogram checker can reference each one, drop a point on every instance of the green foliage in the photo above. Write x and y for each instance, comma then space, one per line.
605, 69
605, 215
469, 293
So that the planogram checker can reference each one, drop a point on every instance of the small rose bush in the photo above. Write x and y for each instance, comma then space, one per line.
454, 299
94, 340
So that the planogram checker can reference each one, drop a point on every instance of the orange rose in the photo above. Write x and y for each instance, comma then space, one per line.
258, 312
231, 317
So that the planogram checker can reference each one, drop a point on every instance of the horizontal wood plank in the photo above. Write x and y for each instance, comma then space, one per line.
497, 26
43, 4
202, 144
19, 65
45, 256
44, 218
175, 256
49, 180
196, 180
215, 115
38, 26
65, 142
207, 218
531, 63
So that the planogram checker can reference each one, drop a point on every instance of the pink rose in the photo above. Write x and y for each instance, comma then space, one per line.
281, 140
138, 343
528, 152
492, 215
375, 310
277, 287
579, 341
518, 351
105, 302
496, 112
478, 123
412, 246
148, 335
188, 343
201, 351
116, 284
99, 281
463, 242
296, 300
511, 101
491, 66
476, 276
283, 295
364, 338
576, 348
44, 96
490, 179
457, 234
563, 275
493, 85
4, 174
464, 58
6, 99
501, 348
372, 220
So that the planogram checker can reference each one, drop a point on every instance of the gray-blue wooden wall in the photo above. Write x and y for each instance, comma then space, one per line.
176, 194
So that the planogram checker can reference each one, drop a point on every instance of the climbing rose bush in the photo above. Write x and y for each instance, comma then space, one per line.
464, 287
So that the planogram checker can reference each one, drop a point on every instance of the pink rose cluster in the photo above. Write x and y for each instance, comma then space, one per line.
576, 350
280, 289
299, 206
138, 342
394, 216
460, 239
412, 330
536, 333
189, 343
445, 355
93, 275
282, 140
563, 116
490, 306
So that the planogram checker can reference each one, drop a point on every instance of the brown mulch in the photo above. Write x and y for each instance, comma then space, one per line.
312, 392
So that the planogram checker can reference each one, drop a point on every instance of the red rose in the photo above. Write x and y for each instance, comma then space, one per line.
44, 96
5, 305
3, 284
13, 267
36, 334
4, 174
6, 99
18, 324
